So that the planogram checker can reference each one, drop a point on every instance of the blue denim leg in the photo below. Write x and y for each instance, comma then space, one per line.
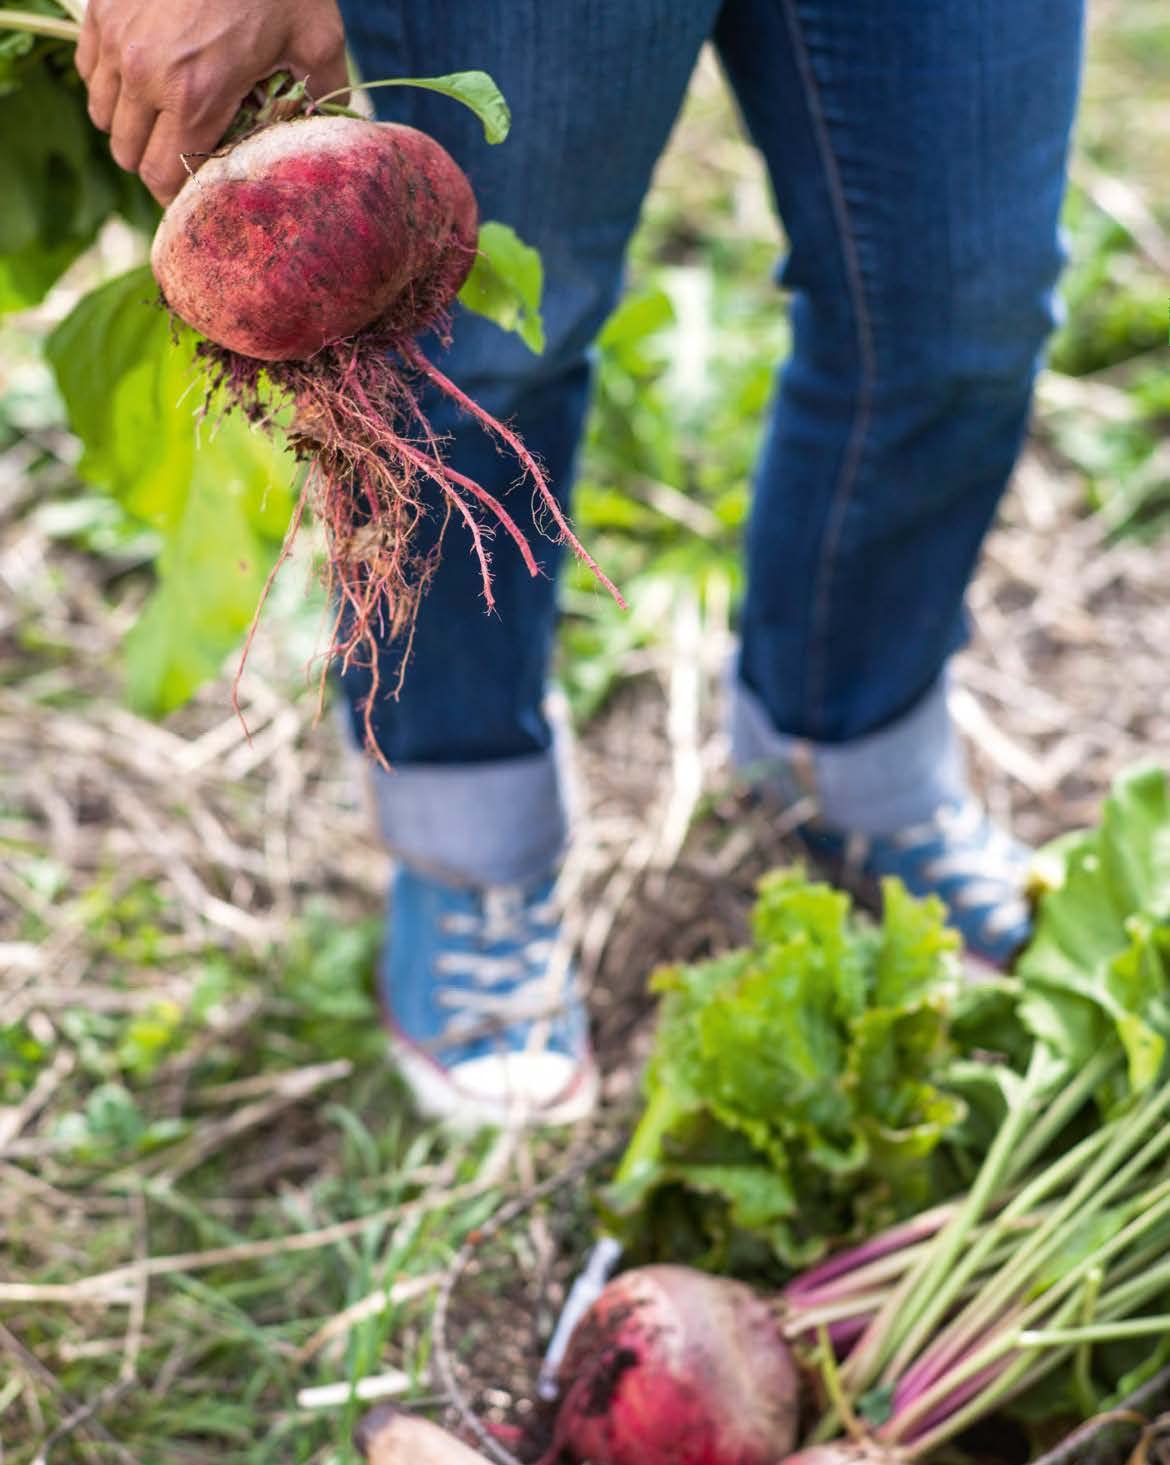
918, 152
594, 89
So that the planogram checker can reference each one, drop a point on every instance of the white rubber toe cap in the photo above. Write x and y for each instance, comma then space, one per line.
500, 1089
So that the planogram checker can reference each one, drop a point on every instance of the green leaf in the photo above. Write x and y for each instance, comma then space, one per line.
917, 946
16, 45
28, 275
1099, 961
636, 320
506, 284
892, 1053
211, 575
778, 1087
57, 179
216, 490
475, 89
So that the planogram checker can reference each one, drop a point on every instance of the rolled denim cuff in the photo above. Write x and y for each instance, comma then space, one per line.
498, 823
872, 785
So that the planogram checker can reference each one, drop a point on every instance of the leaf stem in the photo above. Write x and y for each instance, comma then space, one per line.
39, 25
931, 1286
1063, 1108
1083, 1358
1063, 1295
833, 1387
1099, 1181
644, 1150
491, 109
1136, 1291
1139, 1327
1019, 1376
857, 1304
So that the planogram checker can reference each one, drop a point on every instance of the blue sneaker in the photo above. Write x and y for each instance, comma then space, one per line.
960, 855
487, 1022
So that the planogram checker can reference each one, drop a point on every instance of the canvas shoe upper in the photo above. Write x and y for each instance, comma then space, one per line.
483, 1003
979, 871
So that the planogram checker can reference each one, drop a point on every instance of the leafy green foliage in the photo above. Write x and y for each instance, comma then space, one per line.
1114, 302
794, 1088
506, 283
21, 1059
57, 179
1098, 967
349, 1151
685, 366
1120, 448
17, 45
217, 492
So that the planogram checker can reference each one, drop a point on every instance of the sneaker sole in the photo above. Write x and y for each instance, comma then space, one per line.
437, 1096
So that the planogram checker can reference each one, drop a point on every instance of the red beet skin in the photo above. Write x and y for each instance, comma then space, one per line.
311, 230
674, 1367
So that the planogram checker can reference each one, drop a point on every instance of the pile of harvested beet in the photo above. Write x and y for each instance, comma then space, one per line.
311, 255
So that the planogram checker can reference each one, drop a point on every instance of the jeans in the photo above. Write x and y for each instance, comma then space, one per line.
917, 151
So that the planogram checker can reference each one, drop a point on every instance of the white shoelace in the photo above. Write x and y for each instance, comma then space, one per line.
474, 996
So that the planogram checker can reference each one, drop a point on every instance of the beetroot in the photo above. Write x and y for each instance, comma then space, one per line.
311, 254
306, 232
674, 1367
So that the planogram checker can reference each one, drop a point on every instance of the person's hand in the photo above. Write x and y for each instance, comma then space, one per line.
166, 77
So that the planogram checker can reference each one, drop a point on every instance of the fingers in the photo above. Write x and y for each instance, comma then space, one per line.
173, 151
86, 55
98, 67
317, 56
166, 80
105, 83
118, 108
130, 130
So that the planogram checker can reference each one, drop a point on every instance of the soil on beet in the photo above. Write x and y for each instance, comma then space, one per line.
605, 1380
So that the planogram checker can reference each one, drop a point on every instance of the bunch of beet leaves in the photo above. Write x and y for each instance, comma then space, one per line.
794, 1094
1028, 1268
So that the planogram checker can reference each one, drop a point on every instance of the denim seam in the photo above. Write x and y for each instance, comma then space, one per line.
847, 478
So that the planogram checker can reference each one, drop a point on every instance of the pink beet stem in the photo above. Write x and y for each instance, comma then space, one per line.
943, 1410
843, 1334
942, 1353
920, 1228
